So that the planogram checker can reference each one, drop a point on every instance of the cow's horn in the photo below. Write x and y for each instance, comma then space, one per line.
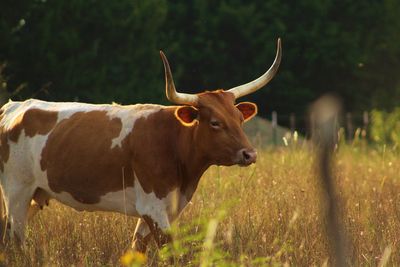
253, 86
172, 94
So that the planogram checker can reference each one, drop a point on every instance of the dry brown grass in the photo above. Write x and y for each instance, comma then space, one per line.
268, 213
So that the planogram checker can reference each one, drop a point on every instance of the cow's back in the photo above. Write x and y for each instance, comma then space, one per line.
24, 128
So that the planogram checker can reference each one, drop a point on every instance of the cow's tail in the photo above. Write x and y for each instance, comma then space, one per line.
3, 217
3, 210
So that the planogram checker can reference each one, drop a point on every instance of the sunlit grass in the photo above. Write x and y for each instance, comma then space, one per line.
268, 213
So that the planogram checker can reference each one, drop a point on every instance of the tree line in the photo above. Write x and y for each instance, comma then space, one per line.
102, 51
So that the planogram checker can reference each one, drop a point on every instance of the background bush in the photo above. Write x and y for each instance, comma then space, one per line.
103, 51
385, 127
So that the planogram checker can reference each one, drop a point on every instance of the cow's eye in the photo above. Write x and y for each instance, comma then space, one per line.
215, 124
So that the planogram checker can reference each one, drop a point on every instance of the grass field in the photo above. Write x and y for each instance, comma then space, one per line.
266, 214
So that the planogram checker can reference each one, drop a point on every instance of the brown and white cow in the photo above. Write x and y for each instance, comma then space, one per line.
142, 160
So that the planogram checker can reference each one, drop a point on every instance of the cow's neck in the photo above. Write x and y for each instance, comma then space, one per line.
161, 139
191, 164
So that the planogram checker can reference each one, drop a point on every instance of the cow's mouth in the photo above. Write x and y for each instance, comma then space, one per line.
244, 164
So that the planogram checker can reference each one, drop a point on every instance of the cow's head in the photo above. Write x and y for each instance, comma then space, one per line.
217, 120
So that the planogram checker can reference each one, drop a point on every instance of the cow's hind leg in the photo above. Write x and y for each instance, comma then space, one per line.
141, 237
18, 202
33, 209
39, 200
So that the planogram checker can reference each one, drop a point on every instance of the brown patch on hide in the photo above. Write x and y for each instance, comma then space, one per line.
79, 159
33, 121
155, 144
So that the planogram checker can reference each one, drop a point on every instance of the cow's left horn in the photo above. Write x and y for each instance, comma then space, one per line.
253, 86
172, 94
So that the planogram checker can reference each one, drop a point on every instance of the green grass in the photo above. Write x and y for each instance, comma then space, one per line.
266, 214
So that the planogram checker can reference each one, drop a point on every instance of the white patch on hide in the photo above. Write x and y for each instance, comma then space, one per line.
128, 118
122, 201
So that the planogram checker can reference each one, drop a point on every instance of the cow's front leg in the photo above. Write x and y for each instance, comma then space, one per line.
159, 226
159, 213
141, 237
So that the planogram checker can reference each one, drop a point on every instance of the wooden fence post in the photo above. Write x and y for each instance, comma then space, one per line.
292, 121
349, 126
365, 124
274, 127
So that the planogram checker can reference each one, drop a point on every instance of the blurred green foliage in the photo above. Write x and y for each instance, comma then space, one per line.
103, 51
385, 127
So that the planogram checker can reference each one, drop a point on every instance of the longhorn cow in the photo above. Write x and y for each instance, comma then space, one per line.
135, 159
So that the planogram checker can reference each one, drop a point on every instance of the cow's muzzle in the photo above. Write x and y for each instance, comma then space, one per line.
247, 156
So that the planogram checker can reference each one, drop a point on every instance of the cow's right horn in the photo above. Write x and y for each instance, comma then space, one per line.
172, 94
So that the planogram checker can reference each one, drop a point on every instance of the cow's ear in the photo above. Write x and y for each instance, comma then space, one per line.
187, 115
248, 109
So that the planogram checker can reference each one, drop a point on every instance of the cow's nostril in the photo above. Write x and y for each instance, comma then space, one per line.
246, 155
